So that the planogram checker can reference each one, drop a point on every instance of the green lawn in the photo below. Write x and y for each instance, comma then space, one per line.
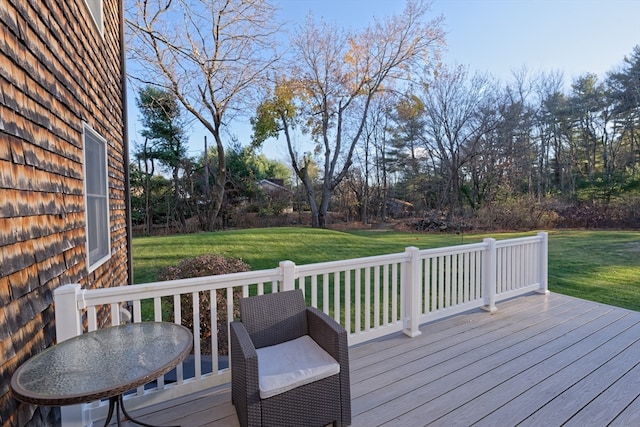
601, 266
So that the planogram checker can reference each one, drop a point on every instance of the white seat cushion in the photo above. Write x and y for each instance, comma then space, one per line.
291, 364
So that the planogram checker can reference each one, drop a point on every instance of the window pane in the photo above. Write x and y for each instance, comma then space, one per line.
98, 230
97, 202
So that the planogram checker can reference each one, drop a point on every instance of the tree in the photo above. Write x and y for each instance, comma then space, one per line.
245, 169
211, 55
624, 85
408, 155
460, 112
548, 94
334, 78
164, 141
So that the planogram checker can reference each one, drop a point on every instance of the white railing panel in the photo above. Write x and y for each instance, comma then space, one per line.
371, 297
518, 266
450, 279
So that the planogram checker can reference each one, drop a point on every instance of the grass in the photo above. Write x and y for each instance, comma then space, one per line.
601, 266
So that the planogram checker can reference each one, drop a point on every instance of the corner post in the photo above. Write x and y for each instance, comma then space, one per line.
489, 276
543, 271
68, 325
288, 269
68, 319
412, 298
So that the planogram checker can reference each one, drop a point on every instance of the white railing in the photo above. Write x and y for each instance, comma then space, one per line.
370, 297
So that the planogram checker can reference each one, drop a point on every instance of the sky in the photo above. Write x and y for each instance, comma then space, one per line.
494, 36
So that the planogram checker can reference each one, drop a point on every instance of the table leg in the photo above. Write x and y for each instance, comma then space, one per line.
112, 402
117, 403
130, 418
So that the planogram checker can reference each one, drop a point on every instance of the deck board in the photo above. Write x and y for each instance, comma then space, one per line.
539, 360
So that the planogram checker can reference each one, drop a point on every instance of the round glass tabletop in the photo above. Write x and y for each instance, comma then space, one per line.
101, 364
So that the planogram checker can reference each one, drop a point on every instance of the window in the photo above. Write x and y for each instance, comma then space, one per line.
96, 192
95, 7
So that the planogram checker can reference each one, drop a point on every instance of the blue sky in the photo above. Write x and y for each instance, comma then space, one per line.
494, 36
498, 36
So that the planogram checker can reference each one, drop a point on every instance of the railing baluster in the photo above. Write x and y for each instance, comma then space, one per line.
213, 297
358, 305
434, 284
394, 292
137, 311
385, 295
440, 282
157, 309
347, 300
467, 277
427, 291
337, 290
92, 318
475, 274
530, 259
376, 296
229, 316
177, 319
508, 265
196, 334
314, 290
452, 275
115, 314
325, 293
367, 298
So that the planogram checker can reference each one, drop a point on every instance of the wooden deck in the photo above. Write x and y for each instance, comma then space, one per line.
540, 360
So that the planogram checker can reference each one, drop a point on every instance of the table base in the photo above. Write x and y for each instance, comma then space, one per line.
117, 403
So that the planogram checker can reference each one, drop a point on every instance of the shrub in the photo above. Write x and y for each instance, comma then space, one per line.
515, 214
200, 266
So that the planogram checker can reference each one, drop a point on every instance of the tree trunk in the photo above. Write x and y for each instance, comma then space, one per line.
217, 193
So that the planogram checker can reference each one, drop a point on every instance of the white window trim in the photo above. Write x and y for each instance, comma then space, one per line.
97, 263
96, 9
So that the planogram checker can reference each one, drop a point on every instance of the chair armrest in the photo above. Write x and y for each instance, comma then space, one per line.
332, 337
241, 341
328, 333
245, 387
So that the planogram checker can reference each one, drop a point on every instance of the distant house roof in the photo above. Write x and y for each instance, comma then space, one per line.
272, 184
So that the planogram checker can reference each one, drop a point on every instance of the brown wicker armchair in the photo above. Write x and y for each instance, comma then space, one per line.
282, 319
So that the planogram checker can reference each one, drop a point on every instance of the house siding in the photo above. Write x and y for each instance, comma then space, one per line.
57, 72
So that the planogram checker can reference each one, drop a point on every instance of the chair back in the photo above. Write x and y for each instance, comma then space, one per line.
272, 319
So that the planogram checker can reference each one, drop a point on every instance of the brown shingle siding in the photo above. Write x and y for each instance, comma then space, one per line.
57, 72
5, 297
24, 281
16, 257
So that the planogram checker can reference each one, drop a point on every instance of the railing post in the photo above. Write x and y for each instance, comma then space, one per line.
411, 283
489, 276
288, 269
544, 263
68, 325
68, 318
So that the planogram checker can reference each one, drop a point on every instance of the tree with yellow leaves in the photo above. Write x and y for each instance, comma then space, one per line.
330, 83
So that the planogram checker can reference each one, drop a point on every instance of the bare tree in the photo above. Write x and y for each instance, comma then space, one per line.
336, 75
210, 54
459, 114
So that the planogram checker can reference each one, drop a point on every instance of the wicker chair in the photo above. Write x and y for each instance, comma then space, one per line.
281, 318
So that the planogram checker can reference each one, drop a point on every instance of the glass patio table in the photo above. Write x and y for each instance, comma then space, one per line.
102, 364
